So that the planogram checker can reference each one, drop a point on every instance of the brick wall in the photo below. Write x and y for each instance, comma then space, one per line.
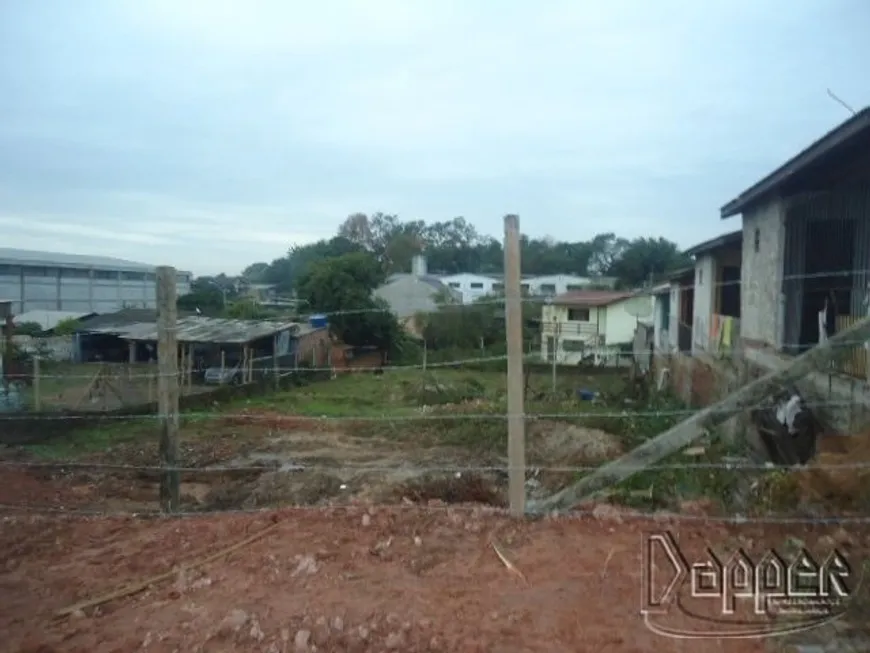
313, 348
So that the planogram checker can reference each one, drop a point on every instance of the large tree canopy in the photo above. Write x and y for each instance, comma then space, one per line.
342, 287
454, 246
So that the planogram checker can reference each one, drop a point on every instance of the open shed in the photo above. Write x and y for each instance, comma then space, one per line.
204, 343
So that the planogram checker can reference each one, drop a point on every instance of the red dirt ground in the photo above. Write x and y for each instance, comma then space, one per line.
345, 579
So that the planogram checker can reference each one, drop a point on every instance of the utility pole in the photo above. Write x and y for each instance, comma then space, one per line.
167, 386
515, 405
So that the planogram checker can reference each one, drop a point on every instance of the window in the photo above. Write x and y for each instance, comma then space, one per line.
106, 275
573, 287
573, 345
578, 314
548, 289
498, 287
10, 270
700, 276
453, 284
74, 273
524, 287
477, 285
133, 276
150, 276
757, 240
39, 271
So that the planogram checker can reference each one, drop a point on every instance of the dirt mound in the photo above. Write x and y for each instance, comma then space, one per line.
465, 488
839, 475
274, 420
292, 488
565, 444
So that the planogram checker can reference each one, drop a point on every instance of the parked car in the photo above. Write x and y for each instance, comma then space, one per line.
226, 376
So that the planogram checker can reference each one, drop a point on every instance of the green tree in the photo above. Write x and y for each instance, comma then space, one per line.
66, 327
255, 272
342, 287
646, 259
285, 271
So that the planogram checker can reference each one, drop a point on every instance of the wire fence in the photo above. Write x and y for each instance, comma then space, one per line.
451, 411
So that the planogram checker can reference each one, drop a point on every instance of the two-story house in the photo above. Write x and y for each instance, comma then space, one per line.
591, 323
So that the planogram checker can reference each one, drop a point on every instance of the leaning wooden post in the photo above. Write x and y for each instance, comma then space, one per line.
689, 430
167, 387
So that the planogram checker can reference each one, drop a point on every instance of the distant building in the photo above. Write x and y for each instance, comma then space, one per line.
591, 324
474, 286
417, 292
81, 284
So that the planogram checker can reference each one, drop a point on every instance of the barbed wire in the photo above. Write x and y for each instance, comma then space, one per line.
583, 513
625, 413
125, 370
532, 468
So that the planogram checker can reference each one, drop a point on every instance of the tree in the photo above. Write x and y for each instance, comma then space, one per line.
646, 259
206, 295
342, 287
255, 272
284, 271
66, 327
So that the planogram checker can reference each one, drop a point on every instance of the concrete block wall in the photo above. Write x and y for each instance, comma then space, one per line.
761, 274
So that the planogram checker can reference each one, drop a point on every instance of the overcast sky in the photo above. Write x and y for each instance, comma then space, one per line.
211, 134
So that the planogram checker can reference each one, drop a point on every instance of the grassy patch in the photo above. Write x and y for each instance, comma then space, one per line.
93, 439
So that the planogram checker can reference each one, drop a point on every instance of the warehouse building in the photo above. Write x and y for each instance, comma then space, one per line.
82, 284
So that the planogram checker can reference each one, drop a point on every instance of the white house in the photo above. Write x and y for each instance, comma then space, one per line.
473, 286
591, 324
559, 284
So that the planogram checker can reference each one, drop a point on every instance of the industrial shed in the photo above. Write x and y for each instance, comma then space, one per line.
206, 342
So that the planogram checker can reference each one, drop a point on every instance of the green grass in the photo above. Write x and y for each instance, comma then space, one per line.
400, 395
94, 439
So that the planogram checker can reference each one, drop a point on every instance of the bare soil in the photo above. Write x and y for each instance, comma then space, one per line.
294, 460
343, 579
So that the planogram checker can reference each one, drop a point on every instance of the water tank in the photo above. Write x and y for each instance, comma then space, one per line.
318, 321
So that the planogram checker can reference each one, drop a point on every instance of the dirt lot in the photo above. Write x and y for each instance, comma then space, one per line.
342, 574
343, 579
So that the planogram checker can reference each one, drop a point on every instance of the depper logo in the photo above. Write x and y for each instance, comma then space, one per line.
737, 596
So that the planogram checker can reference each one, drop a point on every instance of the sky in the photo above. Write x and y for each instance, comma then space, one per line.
210, 134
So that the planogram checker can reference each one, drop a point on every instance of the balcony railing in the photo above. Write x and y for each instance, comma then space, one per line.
569, 329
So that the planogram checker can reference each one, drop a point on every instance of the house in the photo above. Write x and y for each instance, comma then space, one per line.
716, 289
414, 293
559, 284
579, 325
474, 286
806, 240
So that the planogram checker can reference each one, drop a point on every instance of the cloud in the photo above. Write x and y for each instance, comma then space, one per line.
212, 134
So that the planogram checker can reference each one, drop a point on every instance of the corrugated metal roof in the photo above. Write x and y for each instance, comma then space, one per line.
49, 319
583, 298
13, 256
204, 329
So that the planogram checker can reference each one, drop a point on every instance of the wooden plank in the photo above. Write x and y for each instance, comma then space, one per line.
689, 430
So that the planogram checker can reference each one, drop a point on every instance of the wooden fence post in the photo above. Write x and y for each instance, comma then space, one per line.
167, 386
37, 398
